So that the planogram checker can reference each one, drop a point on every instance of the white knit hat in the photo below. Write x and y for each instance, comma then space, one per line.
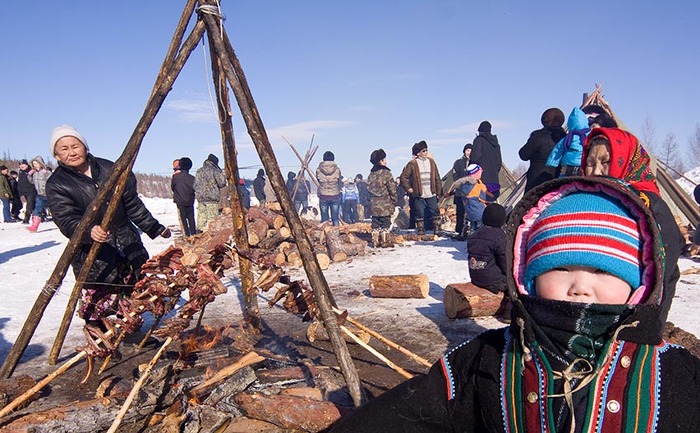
65, 131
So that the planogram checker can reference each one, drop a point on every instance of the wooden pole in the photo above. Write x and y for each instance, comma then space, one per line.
139, 383
240, 232
130, 151
374, 352
386, 341
324, 298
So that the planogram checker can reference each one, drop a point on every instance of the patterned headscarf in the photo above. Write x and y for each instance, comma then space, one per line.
629, 161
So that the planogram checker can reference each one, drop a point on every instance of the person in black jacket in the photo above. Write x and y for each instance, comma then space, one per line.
16, 200
182, 185
540, 145
486, 152
259, 186
70, 191
26, 189
459, 170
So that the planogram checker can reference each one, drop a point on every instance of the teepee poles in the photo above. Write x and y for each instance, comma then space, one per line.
239, 85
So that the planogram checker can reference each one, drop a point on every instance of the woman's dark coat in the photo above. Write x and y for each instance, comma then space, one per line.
69, 195
537, 150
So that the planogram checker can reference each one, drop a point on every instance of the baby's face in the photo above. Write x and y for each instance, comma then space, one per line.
582, 284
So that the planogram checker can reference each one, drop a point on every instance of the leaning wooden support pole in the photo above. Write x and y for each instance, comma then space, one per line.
374, 352
385, 340
130, 152
257, 132
240, 232
139, 383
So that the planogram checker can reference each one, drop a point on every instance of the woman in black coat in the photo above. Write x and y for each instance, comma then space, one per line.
70, 190
540, 145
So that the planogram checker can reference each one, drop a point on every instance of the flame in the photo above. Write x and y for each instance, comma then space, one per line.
206, 339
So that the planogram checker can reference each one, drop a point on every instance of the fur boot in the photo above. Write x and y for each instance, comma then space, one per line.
420, 226
437, 225
375, 239
384, 241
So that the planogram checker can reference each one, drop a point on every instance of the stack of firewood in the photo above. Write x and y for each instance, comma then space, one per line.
272, 242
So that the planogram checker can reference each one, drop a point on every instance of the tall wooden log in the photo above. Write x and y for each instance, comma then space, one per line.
131, 150
236, 77
250, 293
399, 286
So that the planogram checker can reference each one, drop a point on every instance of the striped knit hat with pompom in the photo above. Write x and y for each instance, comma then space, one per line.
584, 229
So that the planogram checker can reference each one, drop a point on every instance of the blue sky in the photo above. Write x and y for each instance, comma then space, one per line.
356, 75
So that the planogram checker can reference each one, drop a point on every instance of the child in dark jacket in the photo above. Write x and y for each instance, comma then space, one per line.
584, 351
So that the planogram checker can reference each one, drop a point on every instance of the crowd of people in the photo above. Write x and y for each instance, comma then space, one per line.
587, 262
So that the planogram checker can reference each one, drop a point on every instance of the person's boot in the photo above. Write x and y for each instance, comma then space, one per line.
437, 225
384, 241
36, 220
375, 239
420, 227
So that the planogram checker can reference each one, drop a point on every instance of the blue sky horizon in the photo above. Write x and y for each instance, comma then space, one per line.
355, 76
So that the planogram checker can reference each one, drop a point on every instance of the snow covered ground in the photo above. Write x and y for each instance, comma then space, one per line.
28, 259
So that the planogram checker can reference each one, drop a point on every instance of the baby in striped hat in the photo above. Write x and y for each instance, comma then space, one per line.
585, 247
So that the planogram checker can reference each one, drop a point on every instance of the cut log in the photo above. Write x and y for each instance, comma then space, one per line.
336, 252
257, 231
289, 412
273, 219
323, 260
294, 259
399, 286
464, 300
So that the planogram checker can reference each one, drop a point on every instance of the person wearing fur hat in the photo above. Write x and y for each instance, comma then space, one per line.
539, 145
26, 189
382, 191
584, 350
182, 186
330, 182
616, 153
208, 183
459, 171
486, 152
40, 175
70, 191
421, 180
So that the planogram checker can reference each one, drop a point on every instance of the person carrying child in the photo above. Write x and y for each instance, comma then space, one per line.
584, 351
476, 196
566, 154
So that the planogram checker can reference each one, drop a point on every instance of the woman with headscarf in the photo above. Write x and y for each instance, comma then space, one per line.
616, 153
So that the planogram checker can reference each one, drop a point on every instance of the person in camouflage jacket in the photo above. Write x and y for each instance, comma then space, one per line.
382, 192
208, 182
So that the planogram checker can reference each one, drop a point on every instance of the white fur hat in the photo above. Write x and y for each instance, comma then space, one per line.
65, 131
